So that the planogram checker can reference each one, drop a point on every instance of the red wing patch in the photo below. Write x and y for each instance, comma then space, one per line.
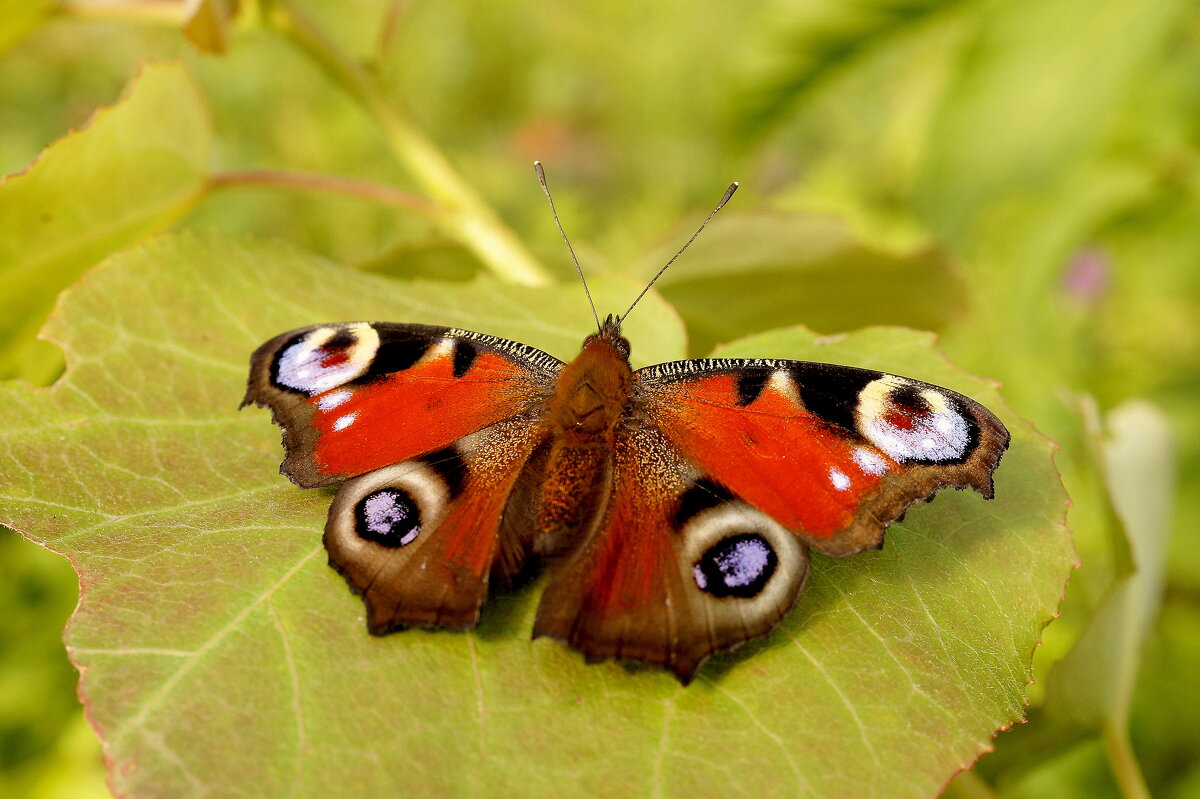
423, 408
807, 474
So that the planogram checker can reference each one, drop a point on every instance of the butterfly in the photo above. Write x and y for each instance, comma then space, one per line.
673, 506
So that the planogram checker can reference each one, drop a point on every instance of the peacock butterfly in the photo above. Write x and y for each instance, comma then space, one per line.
674, 505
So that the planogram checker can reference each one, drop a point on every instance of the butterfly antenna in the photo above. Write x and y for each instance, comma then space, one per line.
728, 193
541, 176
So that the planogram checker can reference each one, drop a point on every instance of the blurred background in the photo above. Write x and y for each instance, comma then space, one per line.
1022, 177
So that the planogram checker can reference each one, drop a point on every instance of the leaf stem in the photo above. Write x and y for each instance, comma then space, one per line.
1123, 761
372, 192
128, 11
464, 215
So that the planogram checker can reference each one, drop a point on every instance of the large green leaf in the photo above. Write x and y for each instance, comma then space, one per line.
220, 654
755, 271
134, 169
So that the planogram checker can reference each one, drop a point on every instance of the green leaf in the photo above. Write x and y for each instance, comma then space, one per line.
1037, 91
134, 169
220, 653
1093, 684
19, 18
755, 271
831, 42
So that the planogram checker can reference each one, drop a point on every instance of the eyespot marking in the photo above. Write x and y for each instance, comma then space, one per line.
388, 517
325, 358
914, 424
738, 566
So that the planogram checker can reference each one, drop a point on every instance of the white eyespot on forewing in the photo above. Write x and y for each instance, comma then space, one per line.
911, 423
747, 566
390, 507
326, 358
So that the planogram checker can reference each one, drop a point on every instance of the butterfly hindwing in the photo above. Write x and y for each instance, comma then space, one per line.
833, 453
419, 539
355, 397
677, 569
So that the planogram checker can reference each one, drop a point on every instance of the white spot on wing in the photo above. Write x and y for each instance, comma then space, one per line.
333, 399
443, 349
839, 479
342, 422
869, 462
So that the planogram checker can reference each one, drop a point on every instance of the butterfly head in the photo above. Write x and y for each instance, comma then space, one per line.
610, 334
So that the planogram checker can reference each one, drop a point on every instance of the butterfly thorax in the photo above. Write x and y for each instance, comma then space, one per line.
592, 391
589, 401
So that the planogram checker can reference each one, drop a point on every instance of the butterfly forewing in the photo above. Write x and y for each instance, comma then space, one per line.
358, 396
833, 453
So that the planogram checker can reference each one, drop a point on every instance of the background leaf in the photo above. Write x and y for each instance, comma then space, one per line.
144, 158
756, 271
206, 23
219, 650
20, 17
1003, 129
1093, 684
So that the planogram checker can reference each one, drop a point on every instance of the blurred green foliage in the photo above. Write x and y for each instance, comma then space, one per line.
1023, 177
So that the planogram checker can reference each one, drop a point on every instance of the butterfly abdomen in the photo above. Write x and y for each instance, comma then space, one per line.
588, 403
